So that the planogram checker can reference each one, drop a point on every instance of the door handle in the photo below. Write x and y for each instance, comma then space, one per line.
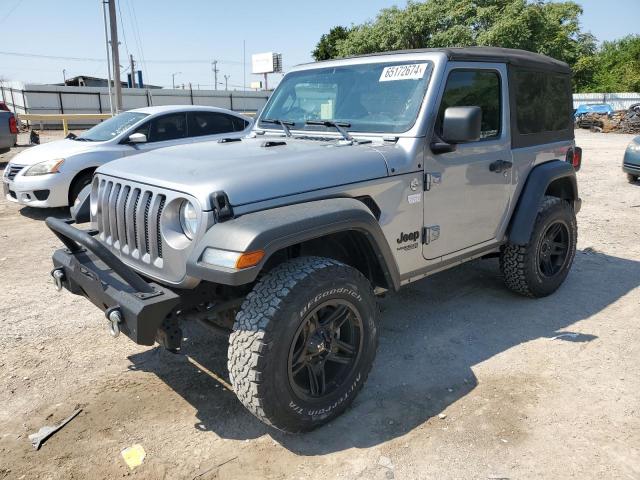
500, 166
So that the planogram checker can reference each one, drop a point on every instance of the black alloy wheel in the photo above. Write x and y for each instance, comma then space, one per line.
325, 349
553, 249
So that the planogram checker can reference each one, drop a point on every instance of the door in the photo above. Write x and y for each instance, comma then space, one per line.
205, 124
162, 131
467, 191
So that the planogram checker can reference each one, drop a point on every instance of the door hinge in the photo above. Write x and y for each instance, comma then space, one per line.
430, 179
430, 234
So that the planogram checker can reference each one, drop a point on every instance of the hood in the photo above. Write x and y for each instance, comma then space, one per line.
248, 171
51, 150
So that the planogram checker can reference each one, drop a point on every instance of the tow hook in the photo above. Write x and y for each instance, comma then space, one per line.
114, 317
58, 277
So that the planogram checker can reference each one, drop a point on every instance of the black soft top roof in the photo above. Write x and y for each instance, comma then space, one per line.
512, 56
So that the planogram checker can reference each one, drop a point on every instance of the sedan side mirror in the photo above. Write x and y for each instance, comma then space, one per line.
137, 138
462, 124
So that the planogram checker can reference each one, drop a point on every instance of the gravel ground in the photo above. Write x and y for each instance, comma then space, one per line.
470, 380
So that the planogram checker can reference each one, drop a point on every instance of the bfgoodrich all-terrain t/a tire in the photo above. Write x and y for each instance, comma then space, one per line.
538, 268
303, 343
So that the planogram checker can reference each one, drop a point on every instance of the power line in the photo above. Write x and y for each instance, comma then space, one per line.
137, 34
91, 59
8, 14
124, 35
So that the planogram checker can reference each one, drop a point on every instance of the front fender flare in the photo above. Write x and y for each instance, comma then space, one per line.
278, 228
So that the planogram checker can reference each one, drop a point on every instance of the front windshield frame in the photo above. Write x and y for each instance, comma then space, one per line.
416, 96
125, 121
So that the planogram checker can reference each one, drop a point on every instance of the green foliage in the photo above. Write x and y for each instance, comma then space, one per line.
550, 28
615, 67
326, 48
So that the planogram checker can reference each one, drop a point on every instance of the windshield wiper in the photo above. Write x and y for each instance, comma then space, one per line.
339, 126
285, 124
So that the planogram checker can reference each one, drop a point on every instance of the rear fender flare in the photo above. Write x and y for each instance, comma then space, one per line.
537, 184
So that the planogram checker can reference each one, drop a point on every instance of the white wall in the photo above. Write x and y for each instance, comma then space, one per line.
61, 99
619, 101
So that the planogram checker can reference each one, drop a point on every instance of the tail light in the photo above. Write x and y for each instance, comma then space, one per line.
574, 157
13, 125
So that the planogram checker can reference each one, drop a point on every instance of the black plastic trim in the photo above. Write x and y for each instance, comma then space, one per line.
534, 189
278, 228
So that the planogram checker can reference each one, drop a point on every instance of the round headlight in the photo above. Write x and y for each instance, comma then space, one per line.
188, 219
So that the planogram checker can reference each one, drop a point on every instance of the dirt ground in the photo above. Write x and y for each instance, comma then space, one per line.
470, 381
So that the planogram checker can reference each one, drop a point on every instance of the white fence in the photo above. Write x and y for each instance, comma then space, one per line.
32, 98
619, 101
40, 99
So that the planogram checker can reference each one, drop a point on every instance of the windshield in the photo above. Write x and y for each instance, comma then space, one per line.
375, 97
113, 127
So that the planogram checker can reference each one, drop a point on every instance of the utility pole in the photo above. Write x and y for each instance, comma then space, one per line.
226, 81
106, 39
173, 79
133, 71
113, 23
214, 68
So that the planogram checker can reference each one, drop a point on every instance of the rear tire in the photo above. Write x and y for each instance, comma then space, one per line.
631, 178
303, 343
538, 268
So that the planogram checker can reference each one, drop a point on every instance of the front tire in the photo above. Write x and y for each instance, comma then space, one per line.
538, 268
631, 178
303, 343
78, 185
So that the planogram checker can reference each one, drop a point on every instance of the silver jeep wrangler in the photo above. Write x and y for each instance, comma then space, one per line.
360, 176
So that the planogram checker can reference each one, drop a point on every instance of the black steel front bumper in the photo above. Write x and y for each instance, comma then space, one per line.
88, 268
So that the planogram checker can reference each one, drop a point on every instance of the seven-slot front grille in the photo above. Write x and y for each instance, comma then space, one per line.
128, 219
13, 170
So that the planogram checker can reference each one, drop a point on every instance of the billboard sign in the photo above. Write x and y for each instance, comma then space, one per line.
269, 62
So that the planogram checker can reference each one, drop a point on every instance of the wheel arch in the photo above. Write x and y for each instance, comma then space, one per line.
343, 229
556, 178
77, 176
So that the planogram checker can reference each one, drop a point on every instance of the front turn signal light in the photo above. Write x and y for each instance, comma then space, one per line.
235, 260
250, 259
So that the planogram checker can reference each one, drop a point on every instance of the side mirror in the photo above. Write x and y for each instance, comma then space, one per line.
137, 138
462, 124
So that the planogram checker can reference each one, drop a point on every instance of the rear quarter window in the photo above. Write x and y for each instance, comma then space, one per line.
543, 102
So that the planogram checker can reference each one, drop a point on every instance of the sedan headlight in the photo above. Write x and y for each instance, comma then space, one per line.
43, 168
188, 219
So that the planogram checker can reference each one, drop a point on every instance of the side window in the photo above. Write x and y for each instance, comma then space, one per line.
543, 102
209, 123
474, 88
239, 124
144, 128
168, 127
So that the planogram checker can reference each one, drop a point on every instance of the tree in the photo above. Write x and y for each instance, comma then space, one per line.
615, 67
551, 28
327, 46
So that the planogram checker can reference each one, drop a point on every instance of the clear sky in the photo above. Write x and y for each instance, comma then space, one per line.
185, 36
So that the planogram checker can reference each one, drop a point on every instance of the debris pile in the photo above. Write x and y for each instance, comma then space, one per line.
621, 121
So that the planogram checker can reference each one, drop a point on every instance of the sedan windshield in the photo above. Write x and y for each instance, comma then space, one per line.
375, 97
112, 128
